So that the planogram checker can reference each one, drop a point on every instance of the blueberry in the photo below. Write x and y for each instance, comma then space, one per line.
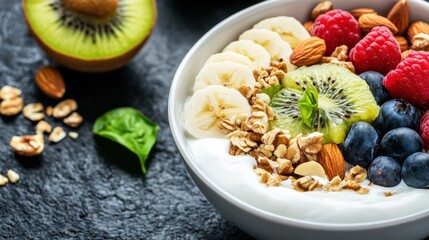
360, 144
415, 170
375, 83
400, 143
385, 171
397, 113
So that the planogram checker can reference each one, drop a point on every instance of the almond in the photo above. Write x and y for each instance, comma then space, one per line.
308, 25
321, 8
400, 15
50, 82
332, 160
311, 168
357, 12
368, 21
416, 28
403, 43
308, 52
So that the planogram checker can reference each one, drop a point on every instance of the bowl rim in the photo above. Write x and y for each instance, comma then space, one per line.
186, 153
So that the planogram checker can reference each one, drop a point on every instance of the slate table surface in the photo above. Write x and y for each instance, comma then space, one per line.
90, 188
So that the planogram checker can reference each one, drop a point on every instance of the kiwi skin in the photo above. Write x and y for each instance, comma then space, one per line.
92, 65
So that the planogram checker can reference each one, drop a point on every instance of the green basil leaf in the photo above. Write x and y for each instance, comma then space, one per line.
307, 105
130, 128
271, 91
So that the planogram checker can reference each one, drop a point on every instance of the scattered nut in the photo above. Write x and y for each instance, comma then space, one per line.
30, 145
49, 111
400, 15
64, 108
321, 8
403, 42
8, 92
73, 120
368, 21
420, 42
332, 160
11, 106
308, 52
12, 176
389, 194
34, 111
306, 183
310, 169
57, 135
73, 135
309, 26
50, 82
3, 180
43, 127
361, 11
416, 28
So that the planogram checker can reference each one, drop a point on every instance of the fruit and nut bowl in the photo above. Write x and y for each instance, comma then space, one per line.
325, 110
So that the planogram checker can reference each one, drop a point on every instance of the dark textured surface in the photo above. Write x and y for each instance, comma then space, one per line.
90, 188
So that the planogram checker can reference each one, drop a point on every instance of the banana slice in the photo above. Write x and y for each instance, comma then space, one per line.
255, 52
272, 42
226, 73
230, 56
210, 105
290, 29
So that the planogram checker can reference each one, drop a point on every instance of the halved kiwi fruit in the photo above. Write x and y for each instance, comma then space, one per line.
324, 98
91, 35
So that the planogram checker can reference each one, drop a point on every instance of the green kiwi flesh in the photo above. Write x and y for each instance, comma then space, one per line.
87, 37
343, 99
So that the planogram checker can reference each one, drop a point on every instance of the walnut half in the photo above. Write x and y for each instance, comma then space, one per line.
30, 145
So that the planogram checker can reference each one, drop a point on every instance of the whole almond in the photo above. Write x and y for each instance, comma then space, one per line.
368, 21
321, 8
308, 26
50, 82
416, 28
332, 160
308, 52
357, 12
400, 15
403, 42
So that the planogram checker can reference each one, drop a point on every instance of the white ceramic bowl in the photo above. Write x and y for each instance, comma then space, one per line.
408, 221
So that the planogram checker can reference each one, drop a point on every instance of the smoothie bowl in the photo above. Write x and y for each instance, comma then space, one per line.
294, 120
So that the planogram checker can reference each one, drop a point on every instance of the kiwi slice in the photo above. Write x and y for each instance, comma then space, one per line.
324, 98
91, 35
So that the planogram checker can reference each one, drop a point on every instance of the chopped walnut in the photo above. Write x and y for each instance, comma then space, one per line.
267, 150
280, 151
28, 145
12, 176
257, 122
57, 135
293, 151
11, 106
264, 97
73, 135
339, 57
356, 173
249, 93
227, 126
270, 76
3, 180
235, 151
33, 111
43, 127
335, 185
355, 186
8, 92
267, 164
285, 166
73, 120
340, 53
306, 183
420, 42
260, 106
312, 143
64, 108
240, 140
276, 179
276, 137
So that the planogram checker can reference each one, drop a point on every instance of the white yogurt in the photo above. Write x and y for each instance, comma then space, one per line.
235, 175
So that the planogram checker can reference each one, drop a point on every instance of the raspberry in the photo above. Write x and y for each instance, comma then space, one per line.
410, 79
377, 51
337, 27
424, 130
